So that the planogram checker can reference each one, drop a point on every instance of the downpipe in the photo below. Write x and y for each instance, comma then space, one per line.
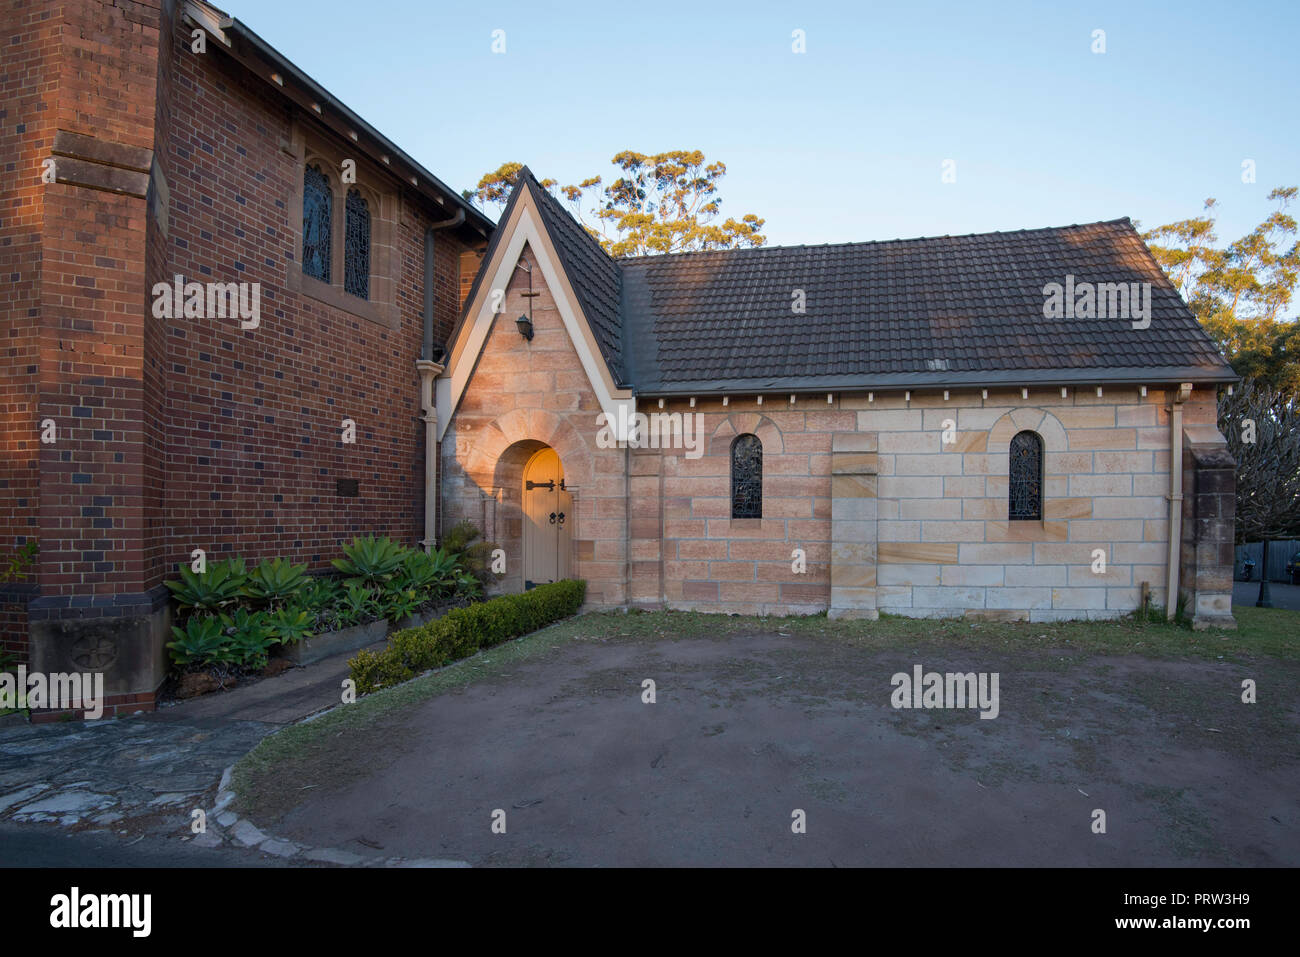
1175, 495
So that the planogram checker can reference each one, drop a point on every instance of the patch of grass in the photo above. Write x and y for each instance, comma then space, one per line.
1185, 827
1271, 632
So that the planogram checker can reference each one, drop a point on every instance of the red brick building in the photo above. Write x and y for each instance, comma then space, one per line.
146, 140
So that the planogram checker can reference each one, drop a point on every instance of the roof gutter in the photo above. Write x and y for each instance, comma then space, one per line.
898, 382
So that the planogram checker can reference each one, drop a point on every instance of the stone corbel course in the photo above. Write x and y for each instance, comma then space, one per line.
99, 164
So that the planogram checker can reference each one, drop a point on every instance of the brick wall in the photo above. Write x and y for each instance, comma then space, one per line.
254, 426
93, 522
184, 433
33, 40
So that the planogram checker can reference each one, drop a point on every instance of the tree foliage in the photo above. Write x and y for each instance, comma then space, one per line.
1262, 426
1240, 292
661, 203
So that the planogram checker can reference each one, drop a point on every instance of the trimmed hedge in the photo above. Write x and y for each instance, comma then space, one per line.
463, 631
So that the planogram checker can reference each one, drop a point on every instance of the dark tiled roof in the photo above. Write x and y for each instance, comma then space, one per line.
951, 310
954, 309
593, 274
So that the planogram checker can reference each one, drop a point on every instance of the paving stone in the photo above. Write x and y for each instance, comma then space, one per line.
245, 833
428, 862
12, 778
46, 746
70, 772
176, 798
64, 801
332, 855
186, 783
207, 839
279, 848
18, 797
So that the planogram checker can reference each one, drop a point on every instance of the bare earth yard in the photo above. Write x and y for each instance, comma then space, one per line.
756, 718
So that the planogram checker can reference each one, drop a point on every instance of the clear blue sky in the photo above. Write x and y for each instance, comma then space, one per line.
844, 142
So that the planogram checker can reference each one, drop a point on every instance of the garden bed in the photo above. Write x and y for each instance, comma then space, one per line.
238, 624
310, 650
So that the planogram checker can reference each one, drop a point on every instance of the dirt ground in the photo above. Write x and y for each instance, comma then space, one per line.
749, 728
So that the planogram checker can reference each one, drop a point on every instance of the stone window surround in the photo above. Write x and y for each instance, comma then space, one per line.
385, 204
745, 423
1052, 527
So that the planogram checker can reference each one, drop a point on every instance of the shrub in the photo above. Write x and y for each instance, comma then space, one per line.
370, 560
356, 605
276, 581
463, 631
15, 567
371, 670
291, 625
250, 637
429, 574
319, 599
221, 585
398, 601
202, 641
475, 557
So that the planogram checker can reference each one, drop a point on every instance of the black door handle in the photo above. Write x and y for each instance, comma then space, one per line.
561, 518
552, 518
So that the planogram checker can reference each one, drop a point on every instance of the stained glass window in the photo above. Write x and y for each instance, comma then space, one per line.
747, 477
316, 203
356, 248
1025, 487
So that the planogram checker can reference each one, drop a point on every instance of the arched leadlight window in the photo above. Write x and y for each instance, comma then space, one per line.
356, 247
1025, 485
747, 477
316, 208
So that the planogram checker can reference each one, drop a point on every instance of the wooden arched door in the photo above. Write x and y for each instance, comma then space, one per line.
548, 520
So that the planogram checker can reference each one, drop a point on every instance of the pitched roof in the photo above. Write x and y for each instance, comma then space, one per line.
595, 277
950, 310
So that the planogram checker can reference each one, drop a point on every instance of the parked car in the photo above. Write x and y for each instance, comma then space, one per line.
1293, 569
